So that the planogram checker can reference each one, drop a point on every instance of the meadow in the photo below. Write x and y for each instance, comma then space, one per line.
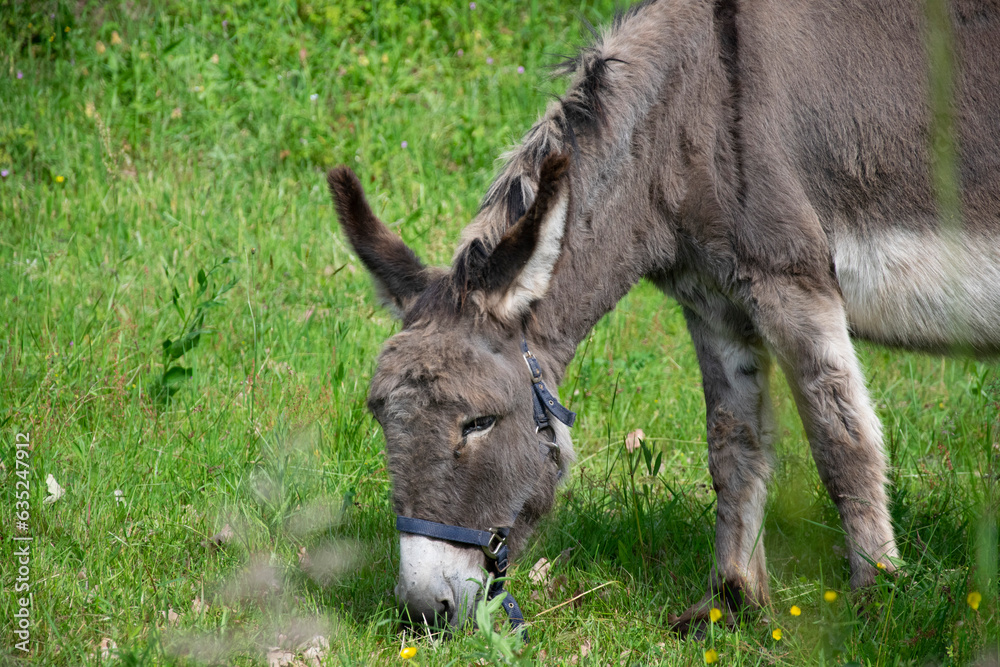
187, 342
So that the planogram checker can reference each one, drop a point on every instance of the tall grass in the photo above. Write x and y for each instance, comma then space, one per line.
146, 143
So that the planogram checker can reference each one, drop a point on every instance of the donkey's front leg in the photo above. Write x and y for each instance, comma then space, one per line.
806, 325
734, 368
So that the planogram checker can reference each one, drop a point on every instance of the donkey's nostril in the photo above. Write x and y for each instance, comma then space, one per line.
444, 607
434, 613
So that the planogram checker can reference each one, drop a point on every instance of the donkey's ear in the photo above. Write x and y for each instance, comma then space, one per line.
519, 269
399, 275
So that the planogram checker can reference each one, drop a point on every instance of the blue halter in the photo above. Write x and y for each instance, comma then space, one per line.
544, 401
494, 541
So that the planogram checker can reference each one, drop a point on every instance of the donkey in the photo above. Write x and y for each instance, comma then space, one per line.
764, 163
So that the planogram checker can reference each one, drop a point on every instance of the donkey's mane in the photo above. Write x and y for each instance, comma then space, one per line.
580, 112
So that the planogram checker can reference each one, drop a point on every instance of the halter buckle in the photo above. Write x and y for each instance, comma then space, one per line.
533, 367
495, 545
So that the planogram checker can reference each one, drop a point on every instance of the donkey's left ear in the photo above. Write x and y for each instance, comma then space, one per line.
519, 270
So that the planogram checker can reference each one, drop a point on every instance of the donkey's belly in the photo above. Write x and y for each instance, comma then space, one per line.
932, 291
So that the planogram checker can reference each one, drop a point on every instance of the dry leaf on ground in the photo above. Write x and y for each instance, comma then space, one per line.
108, 649
55, 491
539, 573
171, 616
220, 537
279, 657
314, 650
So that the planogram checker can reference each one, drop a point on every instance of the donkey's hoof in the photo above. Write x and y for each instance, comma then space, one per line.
694, 622
688, 627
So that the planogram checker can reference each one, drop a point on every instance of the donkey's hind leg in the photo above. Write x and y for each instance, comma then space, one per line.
807, 327
735, 367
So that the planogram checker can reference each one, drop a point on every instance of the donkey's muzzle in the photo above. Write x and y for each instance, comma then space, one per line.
438, 582
436, 612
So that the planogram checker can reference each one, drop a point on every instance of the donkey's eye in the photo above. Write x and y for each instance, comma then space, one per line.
478, 425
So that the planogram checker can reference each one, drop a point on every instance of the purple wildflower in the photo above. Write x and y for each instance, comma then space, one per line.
520, 69
20, 74
460, 53
225, 24
472, 5
4, 173
403, 144
489, 61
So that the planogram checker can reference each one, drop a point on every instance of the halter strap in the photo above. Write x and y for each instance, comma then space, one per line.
544, 401
493, 541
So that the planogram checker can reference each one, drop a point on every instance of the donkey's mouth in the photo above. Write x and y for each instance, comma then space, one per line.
443, 622
442, 611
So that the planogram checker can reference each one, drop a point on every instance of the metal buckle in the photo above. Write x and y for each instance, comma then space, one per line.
551, 444
500, 542
536, 376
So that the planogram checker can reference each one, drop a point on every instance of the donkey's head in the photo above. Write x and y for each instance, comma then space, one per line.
454, 394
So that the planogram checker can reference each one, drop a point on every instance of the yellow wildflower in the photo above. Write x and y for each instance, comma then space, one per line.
830, 596
363, 61
974, 599
711, 655
795, 611
60, 179
776, 633
115, 39
66, 29
408, 652
100, 46
714, 615
52, 37
880, 565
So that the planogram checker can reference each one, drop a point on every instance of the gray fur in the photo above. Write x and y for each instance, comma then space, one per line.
754, 160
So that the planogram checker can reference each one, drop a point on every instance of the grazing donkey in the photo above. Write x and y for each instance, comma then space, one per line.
764, 163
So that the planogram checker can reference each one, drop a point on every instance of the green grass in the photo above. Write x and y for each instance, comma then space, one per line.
146, 142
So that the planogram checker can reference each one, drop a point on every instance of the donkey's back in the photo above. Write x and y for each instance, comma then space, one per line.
838, 100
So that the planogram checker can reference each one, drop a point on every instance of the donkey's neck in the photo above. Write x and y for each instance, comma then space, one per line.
645, 100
